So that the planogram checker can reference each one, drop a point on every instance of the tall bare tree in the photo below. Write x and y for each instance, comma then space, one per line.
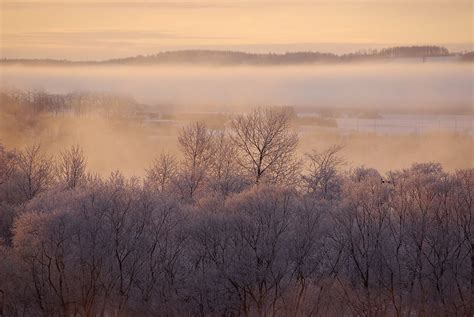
266, 144
72, 166
162, 172
226, 175
36, 171
323, 178
7, 164
196, 145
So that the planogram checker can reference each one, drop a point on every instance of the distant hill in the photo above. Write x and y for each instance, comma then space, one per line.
241, 58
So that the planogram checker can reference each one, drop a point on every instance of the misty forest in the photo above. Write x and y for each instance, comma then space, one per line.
238, 221
254, 158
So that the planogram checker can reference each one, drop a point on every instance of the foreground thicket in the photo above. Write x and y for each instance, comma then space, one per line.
235, 226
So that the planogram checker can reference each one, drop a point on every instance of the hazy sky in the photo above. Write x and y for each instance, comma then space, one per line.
85, 29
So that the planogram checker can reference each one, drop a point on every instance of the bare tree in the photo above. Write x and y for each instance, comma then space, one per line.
323, 178
195, 142
72, 167
461, 213
8, 171
226, 175
7, 165
247, 251
162, 172
361, 220
266, 143
36, 171
196, 145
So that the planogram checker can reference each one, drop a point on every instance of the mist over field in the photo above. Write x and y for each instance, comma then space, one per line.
426, 94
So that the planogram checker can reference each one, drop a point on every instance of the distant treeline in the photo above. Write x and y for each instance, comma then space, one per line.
76, 103
468, 57
241, 58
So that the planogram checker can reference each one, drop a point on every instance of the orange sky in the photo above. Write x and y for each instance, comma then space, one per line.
87, 29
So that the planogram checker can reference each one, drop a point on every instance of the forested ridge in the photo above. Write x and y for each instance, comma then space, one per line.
236, 225
222, 57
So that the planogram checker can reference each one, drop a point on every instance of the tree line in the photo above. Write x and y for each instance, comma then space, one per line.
223, 57
237, 225
31, 102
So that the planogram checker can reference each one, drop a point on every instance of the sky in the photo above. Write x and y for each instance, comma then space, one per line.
95, 30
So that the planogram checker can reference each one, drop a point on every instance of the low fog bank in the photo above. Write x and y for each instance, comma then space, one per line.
147, 106
380, 87
117, 145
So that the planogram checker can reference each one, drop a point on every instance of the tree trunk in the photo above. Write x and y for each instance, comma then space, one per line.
2, 299
472, 279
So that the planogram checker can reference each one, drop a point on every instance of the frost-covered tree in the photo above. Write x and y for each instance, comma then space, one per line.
35, 171
324, 176
197, 148
226, 176
72, 167
394, 245
162, 173
266, 145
